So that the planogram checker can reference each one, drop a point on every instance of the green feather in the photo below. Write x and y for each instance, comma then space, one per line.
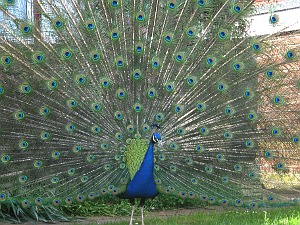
134, 155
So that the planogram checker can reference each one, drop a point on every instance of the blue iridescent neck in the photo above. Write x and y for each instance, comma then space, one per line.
143, 184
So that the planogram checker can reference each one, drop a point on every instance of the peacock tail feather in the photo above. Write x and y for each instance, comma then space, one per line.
83, 82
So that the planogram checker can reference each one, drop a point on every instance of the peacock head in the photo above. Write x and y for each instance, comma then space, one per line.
155, 137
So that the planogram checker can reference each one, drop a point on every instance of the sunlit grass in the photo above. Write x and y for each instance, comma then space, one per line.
278, 216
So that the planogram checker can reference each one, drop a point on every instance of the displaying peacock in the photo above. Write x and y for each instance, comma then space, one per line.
134, 98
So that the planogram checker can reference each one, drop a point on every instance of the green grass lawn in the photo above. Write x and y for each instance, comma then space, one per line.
278, 216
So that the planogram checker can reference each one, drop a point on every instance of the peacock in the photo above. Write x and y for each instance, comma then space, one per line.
135, 98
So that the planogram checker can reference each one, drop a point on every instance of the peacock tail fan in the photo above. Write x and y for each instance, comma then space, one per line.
82, 82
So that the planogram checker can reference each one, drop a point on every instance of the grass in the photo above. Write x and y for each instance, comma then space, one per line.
217, 215
110, 205
278, 216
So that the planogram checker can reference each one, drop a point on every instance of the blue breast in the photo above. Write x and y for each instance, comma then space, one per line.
143, 185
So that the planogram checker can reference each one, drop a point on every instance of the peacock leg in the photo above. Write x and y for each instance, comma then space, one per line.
132, 210
142, 209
